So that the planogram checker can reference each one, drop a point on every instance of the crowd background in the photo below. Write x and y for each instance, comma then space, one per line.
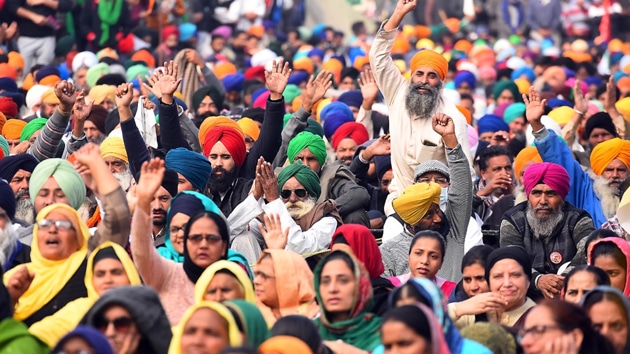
240, 176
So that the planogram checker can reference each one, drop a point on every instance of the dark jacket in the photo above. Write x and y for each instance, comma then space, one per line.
339, 184
29, 28
234, 196
90, 22
206, 7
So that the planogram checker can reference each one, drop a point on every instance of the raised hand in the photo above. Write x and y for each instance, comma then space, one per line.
65, 92
381, 147
152, 85
534, 108
268, 180
193, 57
257, 189
369, 89
405, 6
500, 138
85, 157
277, 79
611, 94
275, 237
168, 82
124, 95
316, 88
151, 175
581, 100
443, 124
82, 107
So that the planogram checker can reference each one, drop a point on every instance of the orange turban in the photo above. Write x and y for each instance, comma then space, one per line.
430, 59
335, 67
28, 82
604, 153
50, 80
305, 64
224, 69
3, 120
16, 60
7, 70
296, 104
144, 56
249, 127
423, 31
466, 113
527, 156
463, 45
213, 122
49, 97
401, 46
13, 128
360, 62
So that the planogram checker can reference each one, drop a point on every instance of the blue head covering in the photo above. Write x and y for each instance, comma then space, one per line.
467, 77
316, 52
558, 102
93, 337
187, 31
333, 116
593, 80
233, 82
298, 77
491, 123
193, 165
523, 70
352, 98
258, 92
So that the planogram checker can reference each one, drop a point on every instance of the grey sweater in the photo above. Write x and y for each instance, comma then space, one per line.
395, 252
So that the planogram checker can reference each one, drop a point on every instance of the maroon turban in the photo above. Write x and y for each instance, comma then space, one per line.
8, 107
353, 130
551, 174
231, 138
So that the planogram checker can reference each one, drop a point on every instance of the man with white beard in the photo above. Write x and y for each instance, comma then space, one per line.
115, 156
412, 104
12, 251
17, 170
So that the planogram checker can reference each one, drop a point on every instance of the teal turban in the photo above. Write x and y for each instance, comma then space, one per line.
304, 175
514, 111
32, 126
4, 145
68, 179
307, 140
314, 127
503, 85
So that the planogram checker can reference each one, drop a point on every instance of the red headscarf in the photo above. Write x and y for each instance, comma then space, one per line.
353, 130
231, 138
363, 245
551, 174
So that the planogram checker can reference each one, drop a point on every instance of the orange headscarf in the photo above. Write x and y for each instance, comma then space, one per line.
431, 59
527, 156
13, 128
604, 153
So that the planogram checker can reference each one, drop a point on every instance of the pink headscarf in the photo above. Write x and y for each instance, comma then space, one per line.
624, 247
551, 174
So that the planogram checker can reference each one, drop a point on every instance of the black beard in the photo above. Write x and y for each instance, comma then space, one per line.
422, 104
221, 183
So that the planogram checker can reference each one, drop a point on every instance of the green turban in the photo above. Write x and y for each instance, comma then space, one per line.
314, 127
68, 179
32, 126
291, 92
304, 175
135, 70
506, 85
307, 140
286, 119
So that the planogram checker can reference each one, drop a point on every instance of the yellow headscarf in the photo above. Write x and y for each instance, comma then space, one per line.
50, 276
114, 147
100, 92
604, 153
49, 97
249, 127
241, 276
562, 115
234, 334
414, 202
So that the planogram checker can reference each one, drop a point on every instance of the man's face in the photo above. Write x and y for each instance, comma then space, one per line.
345, 150
92, 133
497, 166
13, 143
296, 199
505, 97
80, 77
115, 165
223, 168
108, 104
217, 44
544, 201
615, 173
50, 193
171, 41
599, 135
48, 109
386, 181
434, 177
517, 126
207, 105
347, 84
240, 41
468, 104
464, 88
423, 93
183, 184
19, 182
426, 75
432, 220
309, 159
159, 206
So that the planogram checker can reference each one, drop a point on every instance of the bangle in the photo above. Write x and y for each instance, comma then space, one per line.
536, 281
364, 161
578, 112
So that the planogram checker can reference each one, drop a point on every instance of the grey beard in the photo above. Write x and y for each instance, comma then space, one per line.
24, 209
542, 228
98, 140
8, 243
423, 105
124, 178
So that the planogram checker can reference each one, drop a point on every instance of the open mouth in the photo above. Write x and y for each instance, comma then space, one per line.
52, 242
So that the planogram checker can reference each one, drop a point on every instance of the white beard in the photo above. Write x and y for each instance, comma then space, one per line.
298, 209
8, 240
519, 194
607, 196
124, 179
24, 209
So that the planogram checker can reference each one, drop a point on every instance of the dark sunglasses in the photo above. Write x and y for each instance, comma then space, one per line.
286, 193
121, 324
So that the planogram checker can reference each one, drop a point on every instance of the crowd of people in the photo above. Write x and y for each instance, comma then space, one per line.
214, 177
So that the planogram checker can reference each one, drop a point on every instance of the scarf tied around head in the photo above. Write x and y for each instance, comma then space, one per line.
551, 174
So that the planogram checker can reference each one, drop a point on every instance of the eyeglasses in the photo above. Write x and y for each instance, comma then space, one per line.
438, 180
536, 331
211, 239
286, 193
263, 275
60, 224
121, 324
175, 229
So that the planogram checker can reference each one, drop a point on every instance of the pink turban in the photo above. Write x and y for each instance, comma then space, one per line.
551, 174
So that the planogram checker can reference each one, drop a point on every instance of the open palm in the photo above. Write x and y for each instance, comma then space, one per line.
167, 79
316, 87
150, 178
368, 86
274, 236
534, 105
278, 77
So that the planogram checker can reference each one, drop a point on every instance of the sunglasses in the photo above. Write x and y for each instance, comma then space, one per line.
121, 324
59, 224
286, 193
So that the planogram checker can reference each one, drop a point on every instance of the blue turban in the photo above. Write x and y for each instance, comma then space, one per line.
316, 52
558, 102
593, 80
352, 98
258, 92
524, 70
11, 164
46, 71
298, 77
333, 116
193, 165
7, 200
491, 123
187, 31
8, 84
467, 77
233, 82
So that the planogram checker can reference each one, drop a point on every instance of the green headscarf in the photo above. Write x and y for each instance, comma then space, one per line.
307, 140
32, 126
506, 85
362, 328
135, 70
291, 92
253, 322
68, 179
109, 13
304, 175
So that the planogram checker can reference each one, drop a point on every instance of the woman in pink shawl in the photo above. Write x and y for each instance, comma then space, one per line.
611, 254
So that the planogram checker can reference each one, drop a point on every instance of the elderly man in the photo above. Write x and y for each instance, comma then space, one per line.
115, 156
17, 170
419, 207
94, 125
337, 182
12, 251
347, 139
546, 225
610, 162
411, 105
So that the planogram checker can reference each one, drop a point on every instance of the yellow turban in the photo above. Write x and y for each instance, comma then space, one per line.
49, 97
523, 85
623, 106
562, 115
412, 205
114, 147
100, 92
213, 122
305, 64
430, 59
249, 127
604, 153
13, 128
320, 106
526, 156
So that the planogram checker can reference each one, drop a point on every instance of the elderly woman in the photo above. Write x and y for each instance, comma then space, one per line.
222, 281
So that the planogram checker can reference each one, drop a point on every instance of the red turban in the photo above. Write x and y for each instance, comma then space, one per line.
231, 138
353, 130
255, 72
551, 174
8, 107
431, 59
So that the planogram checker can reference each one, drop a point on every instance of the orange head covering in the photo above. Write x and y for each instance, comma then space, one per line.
463, 45
334, 66
212, 122
256, 30
523, 85
624, 84
3, 120
28, 82
360, 62
524, 158
423, 31
305, 64
100, 92
296, 104
13, 128
16, 60
401, 46
224, 69
144, 56
50, 80
466, 113
7, 70
430, 59
49, 97
452, 24
284, 345
604, 153
249, 127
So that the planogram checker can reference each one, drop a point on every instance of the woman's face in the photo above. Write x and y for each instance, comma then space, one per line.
474, 280
540, 329
205, 332
609, 320
578, 285
119, 328
615, 272
77, 345
224, 287
57, 243
509, 280
109, 273
426, 257
265, 282
205, 245
337, 288
176, 230
398, 338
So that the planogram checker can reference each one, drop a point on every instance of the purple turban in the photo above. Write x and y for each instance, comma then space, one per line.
551, 174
